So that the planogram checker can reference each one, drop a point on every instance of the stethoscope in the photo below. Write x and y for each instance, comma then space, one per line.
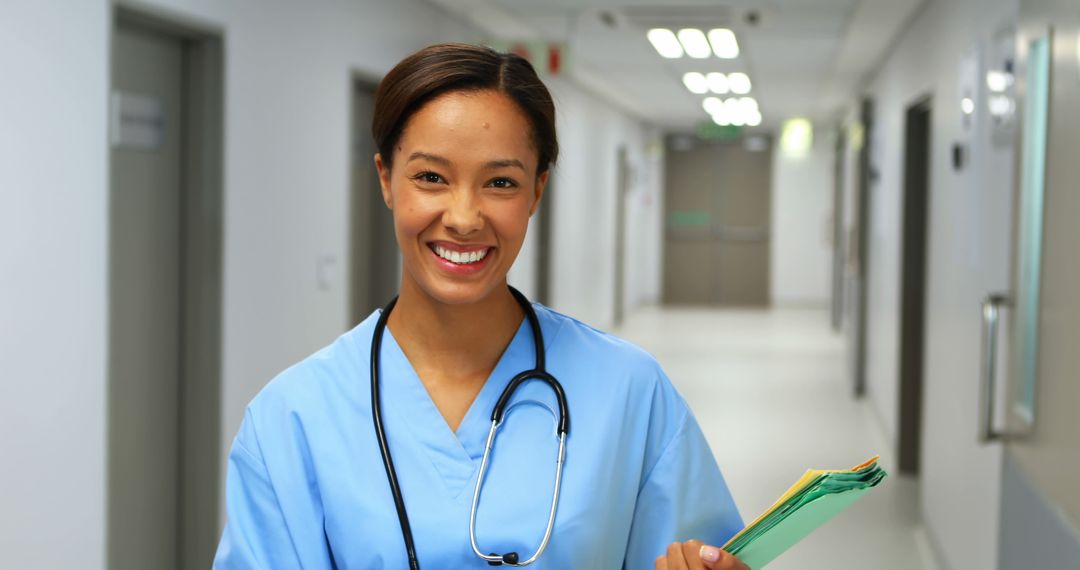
537, 373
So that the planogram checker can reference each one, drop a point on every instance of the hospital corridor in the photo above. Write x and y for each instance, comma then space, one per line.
732, 284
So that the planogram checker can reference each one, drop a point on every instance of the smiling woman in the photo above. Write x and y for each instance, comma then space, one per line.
466, 141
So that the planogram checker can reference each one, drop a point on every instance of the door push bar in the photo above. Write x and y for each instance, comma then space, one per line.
991, 317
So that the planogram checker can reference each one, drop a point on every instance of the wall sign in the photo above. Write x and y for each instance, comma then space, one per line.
137, 121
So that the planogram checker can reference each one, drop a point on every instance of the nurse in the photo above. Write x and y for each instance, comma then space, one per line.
466, 141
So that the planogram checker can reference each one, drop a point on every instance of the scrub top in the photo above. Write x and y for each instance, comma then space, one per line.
306, 486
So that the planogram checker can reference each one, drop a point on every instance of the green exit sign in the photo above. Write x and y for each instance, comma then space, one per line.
710, 131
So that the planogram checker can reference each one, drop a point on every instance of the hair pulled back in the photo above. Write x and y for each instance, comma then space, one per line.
445, 68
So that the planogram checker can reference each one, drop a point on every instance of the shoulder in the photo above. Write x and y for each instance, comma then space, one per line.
591, 345
595, 362
336, 372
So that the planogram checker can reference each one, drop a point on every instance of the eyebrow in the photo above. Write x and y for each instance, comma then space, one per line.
500, 163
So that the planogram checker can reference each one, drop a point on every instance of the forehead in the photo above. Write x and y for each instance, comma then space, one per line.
470, 126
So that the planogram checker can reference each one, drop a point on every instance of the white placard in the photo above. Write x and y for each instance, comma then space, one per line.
138, 121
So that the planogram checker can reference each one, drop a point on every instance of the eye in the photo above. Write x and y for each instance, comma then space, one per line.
429, 177
503, 183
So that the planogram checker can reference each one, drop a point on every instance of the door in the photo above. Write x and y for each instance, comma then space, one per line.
717, 209
144, 416
622, 188
374, 266
1040, 500
917, 146
164, 436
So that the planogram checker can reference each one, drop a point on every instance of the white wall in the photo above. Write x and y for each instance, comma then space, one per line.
802, 203
52, 283
584, 194
968, 255
288, 72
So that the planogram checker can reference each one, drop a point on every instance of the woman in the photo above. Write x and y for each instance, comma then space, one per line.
466, 139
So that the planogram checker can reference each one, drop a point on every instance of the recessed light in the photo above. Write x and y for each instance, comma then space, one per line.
739, 83
796, 137
712, 105
696, 83
998, 81
665, 42
724, 44
694, 42
717, 83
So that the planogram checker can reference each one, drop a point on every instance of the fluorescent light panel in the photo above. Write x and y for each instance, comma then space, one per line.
694, 43
739, 83
738, 111
717, 83
665, 42
724, 44
696, 83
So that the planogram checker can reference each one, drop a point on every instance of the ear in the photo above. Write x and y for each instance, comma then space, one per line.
541, 183
384, 180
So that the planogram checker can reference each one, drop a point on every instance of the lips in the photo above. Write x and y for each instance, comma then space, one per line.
462, 256
459, 259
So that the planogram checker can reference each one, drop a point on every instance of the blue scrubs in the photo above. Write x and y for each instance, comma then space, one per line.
307, 489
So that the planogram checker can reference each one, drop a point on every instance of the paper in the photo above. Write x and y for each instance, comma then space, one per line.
816, 497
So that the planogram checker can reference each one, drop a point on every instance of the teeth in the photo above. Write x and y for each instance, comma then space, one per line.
458, 257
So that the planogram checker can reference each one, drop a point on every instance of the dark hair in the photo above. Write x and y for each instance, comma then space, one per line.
445, 68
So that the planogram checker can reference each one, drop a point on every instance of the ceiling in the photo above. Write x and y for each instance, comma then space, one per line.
805, 57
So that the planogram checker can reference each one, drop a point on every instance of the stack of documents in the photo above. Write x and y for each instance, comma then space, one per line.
809, 503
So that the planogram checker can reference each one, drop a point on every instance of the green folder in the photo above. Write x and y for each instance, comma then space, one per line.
814, 499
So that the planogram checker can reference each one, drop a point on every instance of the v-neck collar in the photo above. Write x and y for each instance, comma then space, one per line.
456, 456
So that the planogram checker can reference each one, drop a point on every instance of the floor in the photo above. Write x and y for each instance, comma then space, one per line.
770, 390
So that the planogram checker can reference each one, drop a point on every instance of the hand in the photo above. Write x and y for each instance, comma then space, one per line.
693, 555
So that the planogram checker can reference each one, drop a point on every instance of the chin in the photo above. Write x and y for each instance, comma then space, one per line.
449, 293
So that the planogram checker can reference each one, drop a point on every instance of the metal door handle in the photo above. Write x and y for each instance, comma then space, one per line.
991, 310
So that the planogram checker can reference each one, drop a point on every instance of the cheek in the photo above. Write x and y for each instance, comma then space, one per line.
412, 216
512, 220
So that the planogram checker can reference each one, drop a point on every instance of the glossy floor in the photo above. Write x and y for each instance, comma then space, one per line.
770, 390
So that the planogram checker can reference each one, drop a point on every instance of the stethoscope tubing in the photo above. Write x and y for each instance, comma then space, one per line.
539, 372
380, 434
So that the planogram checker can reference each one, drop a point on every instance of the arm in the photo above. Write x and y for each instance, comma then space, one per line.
256, 535
683, 497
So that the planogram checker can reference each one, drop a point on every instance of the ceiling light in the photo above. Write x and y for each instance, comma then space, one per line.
694, 42
723, 43
739, 83
796, 136
748, 104
1001, 105
696, 82
721, 119
967, 105
712, 105
665, 42
718, 83
998, 81
754, 119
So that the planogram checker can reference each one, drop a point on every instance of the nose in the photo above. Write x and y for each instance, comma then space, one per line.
464, 214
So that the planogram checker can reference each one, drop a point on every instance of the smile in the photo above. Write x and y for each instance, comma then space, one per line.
460, 257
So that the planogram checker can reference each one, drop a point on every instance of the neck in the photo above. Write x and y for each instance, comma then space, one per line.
463, 341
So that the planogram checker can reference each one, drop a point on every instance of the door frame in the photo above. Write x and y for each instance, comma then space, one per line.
918, 133
199, 488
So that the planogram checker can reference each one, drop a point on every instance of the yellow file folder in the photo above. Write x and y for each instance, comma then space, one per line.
814, 499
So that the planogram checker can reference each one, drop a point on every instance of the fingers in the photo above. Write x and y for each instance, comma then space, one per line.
692, 551
694, 555
675, 556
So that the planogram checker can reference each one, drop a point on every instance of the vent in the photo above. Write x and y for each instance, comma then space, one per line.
675, 17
